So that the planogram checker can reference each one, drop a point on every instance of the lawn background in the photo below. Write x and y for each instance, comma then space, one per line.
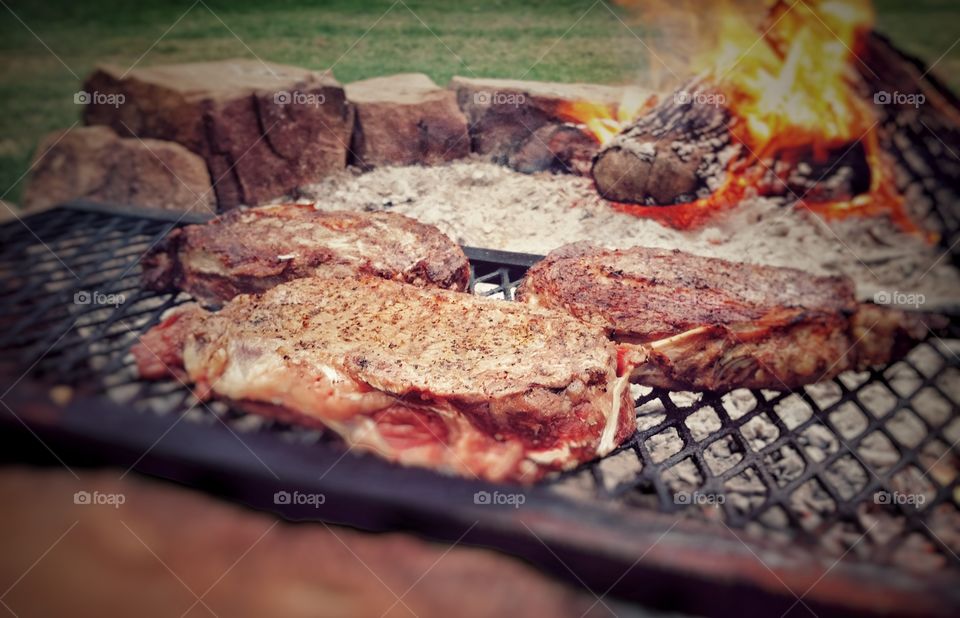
559, 40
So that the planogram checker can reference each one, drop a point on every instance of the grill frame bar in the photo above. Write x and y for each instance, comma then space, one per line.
544, 515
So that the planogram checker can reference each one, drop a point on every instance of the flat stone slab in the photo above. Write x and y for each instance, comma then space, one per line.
406, 119
263, 128
96, 164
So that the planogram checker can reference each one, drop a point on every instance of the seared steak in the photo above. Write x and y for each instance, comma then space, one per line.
695, 323
250, 251
423, 377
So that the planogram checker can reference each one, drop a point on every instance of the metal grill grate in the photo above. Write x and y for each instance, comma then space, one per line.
820, 466
794, 469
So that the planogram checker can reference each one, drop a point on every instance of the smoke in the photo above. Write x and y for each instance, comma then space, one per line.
684, 36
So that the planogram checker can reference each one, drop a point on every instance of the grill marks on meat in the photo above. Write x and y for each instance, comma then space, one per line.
251, 251
423, 377
688, 322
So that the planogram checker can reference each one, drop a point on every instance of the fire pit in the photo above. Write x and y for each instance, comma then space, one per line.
860, 468
819, 111
824, 150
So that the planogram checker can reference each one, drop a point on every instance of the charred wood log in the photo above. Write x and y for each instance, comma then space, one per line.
840, 174
672, 155
680, 150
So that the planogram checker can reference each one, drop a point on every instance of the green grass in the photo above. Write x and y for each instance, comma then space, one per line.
513, 39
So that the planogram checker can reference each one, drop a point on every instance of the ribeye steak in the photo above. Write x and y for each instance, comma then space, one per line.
689, 322
252, 250
424, 377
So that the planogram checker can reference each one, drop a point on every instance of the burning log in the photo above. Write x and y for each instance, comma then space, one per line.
840, 175
683, 149
672, 155
799, 117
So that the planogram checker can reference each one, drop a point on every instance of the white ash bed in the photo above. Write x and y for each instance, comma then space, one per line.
481, 204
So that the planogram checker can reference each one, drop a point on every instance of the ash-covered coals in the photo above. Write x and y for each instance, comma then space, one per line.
480, 204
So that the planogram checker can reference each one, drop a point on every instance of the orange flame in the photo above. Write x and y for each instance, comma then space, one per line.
789, 84
792, 87
604, 121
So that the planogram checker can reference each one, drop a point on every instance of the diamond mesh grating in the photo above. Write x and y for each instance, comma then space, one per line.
802, 467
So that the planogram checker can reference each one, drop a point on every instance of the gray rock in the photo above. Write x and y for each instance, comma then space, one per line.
264, 129
406, 119
95, 164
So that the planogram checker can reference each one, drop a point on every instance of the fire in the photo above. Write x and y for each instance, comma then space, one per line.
789, 84
794, 87
605, 121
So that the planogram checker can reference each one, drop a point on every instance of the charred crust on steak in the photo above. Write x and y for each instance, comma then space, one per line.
252, 250
520, 391
695, 323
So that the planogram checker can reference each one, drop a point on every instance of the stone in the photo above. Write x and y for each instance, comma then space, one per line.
264, 129
96, 164
505, 115
8, 211
557, 148
406, 119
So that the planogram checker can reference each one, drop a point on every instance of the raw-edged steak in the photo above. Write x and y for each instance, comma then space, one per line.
424, 377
